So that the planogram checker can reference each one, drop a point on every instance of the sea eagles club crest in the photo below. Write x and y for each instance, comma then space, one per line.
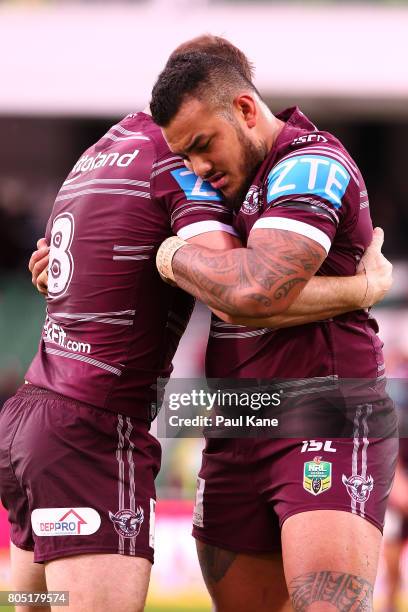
358, 488
127, 523
252, 202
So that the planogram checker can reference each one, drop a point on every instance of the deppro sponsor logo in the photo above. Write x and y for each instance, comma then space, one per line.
65, 521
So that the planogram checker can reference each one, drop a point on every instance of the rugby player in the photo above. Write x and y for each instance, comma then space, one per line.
301, 208
77, 462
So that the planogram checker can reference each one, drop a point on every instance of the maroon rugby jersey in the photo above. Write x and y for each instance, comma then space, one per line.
112, 324
310, 185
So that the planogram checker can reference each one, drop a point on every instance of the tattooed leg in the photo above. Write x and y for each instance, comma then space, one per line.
242, 583
331, 591
330, 559
214, 563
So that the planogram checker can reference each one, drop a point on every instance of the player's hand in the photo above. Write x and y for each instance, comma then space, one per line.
42, 282
377, 268
38, 265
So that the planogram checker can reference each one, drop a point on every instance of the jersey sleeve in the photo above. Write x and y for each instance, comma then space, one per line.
308, 192
194, 207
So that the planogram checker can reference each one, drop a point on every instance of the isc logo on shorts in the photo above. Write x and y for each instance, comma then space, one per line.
65, 521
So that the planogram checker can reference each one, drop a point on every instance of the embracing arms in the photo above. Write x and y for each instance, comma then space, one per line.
266, 286
258, 281
321, 298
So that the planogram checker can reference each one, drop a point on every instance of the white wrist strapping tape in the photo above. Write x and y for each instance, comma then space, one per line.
165, 256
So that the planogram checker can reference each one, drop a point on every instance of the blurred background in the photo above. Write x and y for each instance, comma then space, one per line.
68, 70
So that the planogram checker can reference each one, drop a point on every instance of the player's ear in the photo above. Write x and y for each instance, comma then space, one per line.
245, 105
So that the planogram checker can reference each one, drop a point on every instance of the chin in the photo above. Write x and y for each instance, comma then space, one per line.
229, 195
237, 196
233, 201
231, 191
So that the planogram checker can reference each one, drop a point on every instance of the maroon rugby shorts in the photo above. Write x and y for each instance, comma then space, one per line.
76, 479
248, 487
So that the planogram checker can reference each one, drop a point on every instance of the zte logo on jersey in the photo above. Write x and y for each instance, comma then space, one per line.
309, 138
314, 446
308, 174
194, 187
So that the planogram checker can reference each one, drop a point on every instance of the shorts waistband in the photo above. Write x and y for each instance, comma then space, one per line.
32, 390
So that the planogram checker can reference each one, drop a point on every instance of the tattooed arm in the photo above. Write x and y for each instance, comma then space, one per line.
259, 281
323, 297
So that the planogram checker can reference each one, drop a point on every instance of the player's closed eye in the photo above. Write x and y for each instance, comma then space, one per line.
203, 147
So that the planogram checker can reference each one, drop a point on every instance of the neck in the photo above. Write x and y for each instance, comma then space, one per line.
271, 126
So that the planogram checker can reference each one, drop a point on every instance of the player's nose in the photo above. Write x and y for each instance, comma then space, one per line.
201, 167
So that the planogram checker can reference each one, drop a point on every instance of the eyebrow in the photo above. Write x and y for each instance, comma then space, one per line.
193, 144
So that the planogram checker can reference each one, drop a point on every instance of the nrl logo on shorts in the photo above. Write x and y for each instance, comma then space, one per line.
127, 523
358, 488
317, 476
252, 201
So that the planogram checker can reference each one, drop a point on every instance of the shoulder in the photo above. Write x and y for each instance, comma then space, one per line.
314, 163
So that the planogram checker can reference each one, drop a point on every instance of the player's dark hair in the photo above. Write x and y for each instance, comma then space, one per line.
221, 47
196, 75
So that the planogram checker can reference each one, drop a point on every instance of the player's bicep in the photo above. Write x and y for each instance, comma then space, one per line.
284, 261
218, 240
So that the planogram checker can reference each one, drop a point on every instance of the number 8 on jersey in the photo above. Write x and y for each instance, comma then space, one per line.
61, 265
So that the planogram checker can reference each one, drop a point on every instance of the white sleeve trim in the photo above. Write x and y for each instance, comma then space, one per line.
299, 227
201, 227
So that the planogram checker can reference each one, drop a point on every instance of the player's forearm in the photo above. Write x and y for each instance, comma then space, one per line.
229, 281
322, 298
280, 321
248, 282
